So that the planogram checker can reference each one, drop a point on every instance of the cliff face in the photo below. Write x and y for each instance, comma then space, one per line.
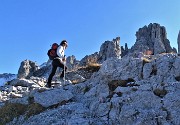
108, 49
27, 68
153, 38
150, 40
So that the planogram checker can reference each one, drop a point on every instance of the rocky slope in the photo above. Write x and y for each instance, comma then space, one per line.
132, 90
124, 91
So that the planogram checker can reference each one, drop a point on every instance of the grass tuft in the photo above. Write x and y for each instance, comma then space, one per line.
10, 111
13, 110
160, 92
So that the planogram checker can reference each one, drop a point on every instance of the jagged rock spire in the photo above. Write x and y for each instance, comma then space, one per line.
178, 41
154, 38
27, 68
125, 50
110, 49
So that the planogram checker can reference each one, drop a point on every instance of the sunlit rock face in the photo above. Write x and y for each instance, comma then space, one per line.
152, 38
27, 68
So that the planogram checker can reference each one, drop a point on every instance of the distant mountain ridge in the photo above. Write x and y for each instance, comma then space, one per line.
5, 77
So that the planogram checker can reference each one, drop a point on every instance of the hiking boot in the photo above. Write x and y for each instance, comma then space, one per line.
48, 85
61, 76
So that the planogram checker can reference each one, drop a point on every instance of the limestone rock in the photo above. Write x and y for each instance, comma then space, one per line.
52, 97
75, 78
124, 91
123, 69
42, 72
89, 59
110, 49
12, 89
72, 63
14, 95
171, 104
22, 82
163, 68
39, 81
70, 114
27, 68
154, 38
142, 89
124, 51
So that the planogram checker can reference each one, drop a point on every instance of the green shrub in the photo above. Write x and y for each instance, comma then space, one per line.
10, 111
160, 92
34, 109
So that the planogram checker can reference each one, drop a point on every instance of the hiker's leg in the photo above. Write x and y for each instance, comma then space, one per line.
51, 75
62, 74
62, 66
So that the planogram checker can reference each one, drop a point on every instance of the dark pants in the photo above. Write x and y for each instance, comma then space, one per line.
55, 64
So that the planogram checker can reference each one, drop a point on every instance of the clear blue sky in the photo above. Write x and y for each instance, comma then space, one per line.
29, 27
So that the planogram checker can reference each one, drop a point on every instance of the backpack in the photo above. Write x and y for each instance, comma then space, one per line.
52, 53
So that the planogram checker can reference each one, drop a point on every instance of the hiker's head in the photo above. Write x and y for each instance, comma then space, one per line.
64, 43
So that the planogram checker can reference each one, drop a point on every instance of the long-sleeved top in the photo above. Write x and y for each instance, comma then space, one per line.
60, 53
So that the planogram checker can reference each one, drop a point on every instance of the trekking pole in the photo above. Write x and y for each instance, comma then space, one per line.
64, 70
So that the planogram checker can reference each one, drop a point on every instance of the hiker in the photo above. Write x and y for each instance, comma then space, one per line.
58, 61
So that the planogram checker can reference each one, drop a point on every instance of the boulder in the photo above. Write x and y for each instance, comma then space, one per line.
52, 97
124, 69
22, 82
